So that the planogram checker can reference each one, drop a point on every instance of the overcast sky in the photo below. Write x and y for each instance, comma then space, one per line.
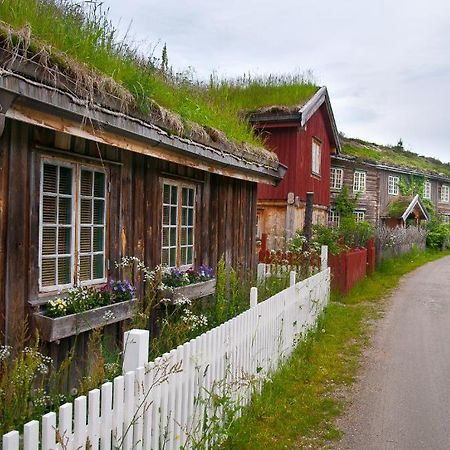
386, 63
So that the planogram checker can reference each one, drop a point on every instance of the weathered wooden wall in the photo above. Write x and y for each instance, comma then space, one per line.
369, 200
225, 213
293, 145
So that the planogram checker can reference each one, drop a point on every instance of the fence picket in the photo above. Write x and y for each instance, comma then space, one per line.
156, 406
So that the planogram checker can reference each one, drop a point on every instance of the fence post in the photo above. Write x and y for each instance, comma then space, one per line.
135, 349
324, 257
292, 276
261, 274
253, 297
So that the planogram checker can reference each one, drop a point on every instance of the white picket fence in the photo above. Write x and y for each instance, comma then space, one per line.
182, 397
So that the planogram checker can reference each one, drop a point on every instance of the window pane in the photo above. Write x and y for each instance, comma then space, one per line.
184, 200
184, 213
191, 197
165, 256
85, 239
50, 177
48, 241
183, 255
99, 212
166, 213
64, 240
172, 254
86, 211
85, 268
86, 183
64, 270
165, 239
65, 210
48, 274
99, 265
173, 236
49, 209
173, 195
190, 239
98, 239
99, 184
65, 180
166, 194
191, 217
189, 255
183, 233
173, 215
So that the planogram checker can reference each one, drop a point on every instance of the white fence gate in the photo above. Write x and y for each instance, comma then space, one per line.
182, 397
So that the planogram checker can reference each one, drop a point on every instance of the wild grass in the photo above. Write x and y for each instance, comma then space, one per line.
394, 156
86, 35
298, 407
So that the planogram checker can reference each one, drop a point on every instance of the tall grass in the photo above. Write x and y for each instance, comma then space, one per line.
86, 35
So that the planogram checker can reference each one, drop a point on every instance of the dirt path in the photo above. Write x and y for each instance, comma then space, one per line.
402, 399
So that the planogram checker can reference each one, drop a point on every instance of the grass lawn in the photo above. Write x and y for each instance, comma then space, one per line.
298, 407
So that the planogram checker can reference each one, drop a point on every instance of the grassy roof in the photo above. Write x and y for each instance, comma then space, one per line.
84, 45
394, 156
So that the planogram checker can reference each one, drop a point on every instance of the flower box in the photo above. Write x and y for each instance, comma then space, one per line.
192, 291
52, 329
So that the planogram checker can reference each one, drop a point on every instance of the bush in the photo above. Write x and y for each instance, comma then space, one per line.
438, 236
355, 234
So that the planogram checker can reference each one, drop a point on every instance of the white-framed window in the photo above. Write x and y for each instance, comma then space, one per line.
178, 224
445, 193
359, 181
393, 185
427, 189
334, 218
316, 156
336, 178
72, 228
360, 215
446, 218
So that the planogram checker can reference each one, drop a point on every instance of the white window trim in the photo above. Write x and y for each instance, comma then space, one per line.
445, 198
393, 185
336, 218
179, 184
316, 156
359, 181
75, 236
427, 190
334, 186
360, 215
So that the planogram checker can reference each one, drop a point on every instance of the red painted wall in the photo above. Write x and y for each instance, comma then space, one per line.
293, 146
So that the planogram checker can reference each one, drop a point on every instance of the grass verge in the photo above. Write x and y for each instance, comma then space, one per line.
298, 407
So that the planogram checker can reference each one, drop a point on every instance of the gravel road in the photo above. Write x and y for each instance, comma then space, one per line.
402, 398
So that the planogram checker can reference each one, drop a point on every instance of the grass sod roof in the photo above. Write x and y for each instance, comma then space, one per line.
80, 48
393, 156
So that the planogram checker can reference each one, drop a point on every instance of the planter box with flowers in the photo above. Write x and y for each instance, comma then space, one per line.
85, 309
188, 285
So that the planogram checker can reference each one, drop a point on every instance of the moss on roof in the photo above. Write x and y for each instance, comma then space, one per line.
393, 156
64, 38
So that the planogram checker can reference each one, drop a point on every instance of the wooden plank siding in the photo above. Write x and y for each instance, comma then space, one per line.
368, 201
225, 214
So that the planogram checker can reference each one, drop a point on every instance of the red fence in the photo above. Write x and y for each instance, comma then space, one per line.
348, 268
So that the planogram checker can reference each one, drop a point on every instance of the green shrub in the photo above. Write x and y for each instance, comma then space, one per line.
438, 236
355, 234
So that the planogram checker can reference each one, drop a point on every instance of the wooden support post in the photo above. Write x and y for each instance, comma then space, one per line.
308, 216
253, 297
135, 349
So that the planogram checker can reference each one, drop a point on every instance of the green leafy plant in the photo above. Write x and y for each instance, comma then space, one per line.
355, 234
345, 204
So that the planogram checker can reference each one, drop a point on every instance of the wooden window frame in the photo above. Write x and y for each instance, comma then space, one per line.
333, 185
445, 198
393, 185
334, 218
427, 190
359, 175
77, 167
360, 215
316, 157
180, 184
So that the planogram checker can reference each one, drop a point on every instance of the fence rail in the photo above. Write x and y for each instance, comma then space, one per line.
171, 402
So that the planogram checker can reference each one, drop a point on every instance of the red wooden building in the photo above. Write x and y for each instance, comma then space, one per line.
304, 139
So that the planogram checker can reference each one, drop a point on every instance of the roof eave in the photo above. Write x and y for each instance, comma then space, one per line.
71, 115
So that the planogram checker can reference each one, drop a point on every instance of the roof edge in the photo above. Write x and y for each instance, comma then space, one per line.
415, 201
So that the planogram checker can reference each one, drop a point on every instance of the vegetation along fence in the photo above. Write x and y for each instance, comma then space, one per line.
392, 242
185, 398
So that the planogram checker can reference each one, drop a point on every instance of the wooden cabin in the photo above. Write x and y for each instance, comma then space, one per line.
83, 184
304, 138
377, 188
